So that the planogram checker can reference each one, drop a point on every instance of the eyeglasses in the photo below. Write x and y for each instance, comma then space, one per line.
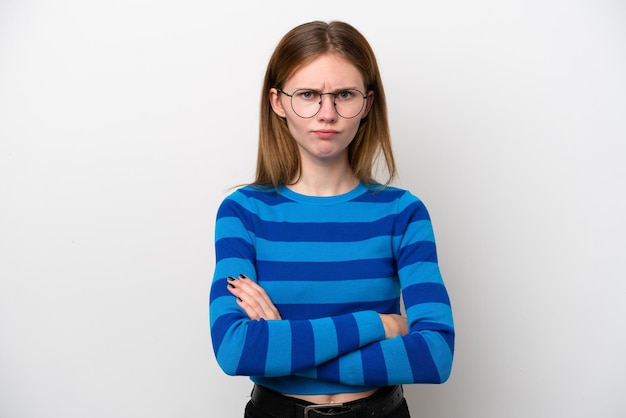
307, 103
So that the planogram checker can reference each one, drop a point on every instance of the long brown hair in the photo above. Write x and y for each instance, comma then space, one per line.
278, 159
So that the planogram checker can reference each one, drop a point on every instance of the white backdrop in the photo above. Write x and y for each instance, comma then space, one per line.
124, 123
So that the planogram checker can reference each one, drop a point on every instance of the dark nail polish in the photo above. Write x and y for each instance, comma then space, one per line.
243, 276
231, 278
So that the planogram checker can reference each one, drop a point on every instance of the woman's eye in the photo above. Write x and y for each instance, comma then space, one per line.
307, 94
344, 94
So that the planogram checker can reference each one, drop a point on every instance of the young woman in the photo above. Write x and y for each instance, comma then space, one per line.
313, 257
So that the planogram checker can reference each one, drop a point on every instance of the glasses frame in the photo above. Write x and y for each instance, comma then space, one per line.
364, 96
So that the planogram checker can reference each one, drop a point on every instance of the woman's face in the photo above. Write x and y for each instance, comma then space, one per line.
323, 138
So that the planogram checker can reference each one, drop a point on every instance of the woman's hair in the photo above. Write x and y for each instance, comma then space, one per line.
278, 159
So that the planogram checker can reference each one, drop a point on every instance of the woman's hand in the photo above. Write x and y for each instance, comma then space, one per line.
394, 325
252, 298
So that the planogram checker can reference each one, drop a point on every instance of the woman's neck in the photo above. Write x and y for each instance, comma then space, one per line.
325, 182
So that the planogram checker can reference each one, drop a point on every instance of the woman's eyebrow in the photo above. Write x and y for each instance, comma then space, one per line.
337, 90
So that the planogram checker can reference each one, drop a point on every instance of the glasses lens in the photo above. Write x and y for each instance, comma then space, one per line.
307, 103
349, 103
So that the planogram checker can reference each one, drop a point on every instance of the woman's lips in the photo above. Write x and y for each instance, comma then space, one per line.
325, 133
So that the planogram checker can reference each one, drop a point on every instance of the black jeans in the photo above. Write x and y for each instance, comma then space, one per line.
253, 412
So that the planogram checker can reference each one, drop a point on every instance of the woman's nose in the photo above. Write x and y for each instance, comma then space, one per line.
327, 107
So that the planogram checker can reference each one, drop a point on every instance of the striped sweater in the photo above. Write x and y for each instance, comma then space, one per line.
330, 265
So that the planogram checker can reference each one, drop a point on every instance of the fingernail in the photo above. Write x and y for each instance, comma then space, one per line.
231, 278
243, 276
231, 285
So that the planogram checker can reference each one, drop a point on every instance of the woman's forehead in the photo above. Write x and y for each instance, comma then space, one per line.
327, 70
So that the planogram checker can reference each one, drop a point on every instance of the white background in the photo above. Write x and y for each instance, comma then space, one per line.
123, 124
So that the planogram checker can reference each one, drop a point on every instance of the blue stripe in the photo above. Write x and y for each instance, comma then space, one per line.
335, 292
279, 343
441, 357
254, 353
329, 371
269, 196
220, 327
374, 368
397, 361
422, 364
421, 230
324, 341
296, 311
437, 315
351, 365
224, 304
421, 272
448, 337
414, 212
417, 252
232, 267
327, 271
218, 290
331, 251
348, 212
303, 343
231, 208
324, 231
275, 207
387, 195
426, 293
347, 333
234, 248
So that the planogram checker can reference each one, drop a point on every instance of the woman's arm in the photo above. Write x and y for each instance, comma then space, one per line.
422, 354
253, 299
282, 347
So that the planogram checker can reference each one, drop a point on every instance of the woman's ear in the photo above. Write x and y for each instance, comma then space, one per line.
368, 103
277, 105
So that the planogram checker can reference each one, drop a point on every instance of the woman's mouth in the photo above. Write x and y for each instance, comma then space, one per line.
325, 133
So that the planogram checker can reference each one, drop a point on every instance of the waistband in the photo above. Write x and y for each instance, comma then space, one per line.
380, 404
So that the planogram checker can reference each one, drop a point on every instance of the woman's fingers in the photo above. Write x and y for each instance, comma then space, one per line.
252, 298
394, 325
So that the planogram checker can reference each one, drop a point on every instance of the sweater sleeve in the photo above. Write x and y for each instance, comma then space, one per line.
276, 347
425, 354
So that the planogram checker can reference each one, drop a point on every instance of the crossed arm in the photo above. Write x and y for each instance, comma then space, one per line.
253, 299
